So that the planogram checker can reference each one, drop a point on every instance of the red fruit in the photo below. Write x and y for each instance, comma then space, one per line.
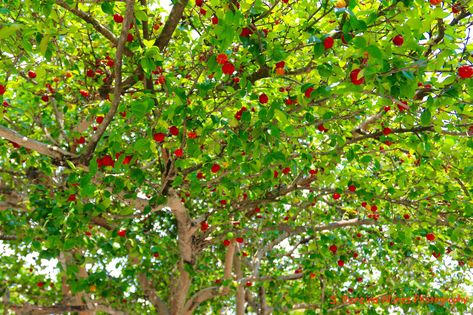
99, 119
223, 202
127, 160
191, 135
215, 168
387, 108
341, 263
398, 40
81, 140
222, 59
280, 64
84, 93
204, 226
461, 263
226, 243
31, 74
72, 198
354, 77
214, 20
199, 3
456, 8
108, 161
118, 18
359, 279
308, 92
298, 270
275, 174
5, 104
2, 89
336, 196
179, 152
239, 239
236, 80
386, 131
156, 255
436, 255
90, 73
110, 63
364, 204
406, 216
263, 98
465, 71
401, 107
159, 137
352, 188
245, 32
333, 248
430, 236
328, 42
40, 284
321, 127
355, 255
228, 68
203, 11
350, 290
174, 130
45, 98
374, 208
122, 233
130, 37
428, 86
200, 175
359, 235
286, 170
391, 243
248, 284
88, 233
123, 114
435, 2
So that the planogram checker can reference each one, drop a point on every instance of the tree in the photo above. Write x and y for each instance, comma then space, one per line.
255, 157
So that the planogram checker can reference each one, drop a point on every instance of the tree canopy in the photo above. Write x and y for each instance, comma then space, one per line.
236, 157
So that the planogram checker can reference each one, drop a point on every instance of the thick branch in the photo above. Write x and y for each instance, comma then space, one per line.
40, 147
171, 24
150, 292
118, 81
185, 232
240, 293
211, 292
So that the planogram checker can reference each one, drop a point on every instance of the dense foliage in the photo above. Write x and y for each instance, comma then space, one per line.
238, 157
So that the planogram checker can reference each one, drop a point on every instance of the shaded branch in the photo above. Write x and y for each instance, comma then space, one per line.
86, 156
40, 147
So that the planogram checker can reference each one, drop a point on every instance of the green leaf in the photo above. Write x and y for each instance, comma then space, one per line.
7, 31
425, 117
141, 15
366, 159
107, 7
375, 52
43, 45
